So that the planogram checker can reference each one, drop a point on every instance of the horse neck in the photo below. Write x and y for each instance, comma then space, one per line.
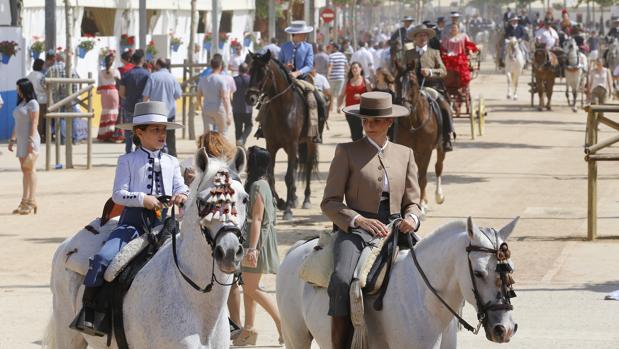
438, 255
280, 80
418, 104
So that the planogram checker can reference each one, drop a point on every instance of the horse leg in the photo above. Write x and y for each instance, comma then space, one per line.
312, 152
515, 77
291, 179
438, 169
422, 173
509, 83
540, 92
549, 87
281, 205
575, 96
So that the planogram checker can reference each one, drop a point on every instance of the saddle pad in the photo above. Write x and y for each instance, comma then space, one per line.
85, 244
317, 267
125, 256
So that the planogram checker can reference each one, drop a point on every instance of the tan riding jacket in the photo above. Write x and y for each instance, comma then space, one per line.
430, 59
356, 174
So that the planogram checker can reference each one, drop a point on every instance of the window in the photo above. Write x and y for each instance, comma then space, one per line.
98, 21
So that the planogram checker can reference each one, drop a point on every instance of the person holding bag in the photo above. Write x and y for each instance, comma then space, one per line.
261, 245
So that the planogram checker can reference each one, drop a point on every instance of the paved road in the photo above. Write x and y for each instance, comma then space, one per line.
528, 164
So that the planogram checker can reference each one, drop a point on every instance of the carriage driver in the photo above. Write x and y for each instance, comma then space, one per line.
428, 65
298, 56
141, 177
378, 180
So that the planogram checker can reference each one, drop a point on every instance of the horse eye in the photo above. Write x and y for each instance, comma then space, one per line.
244, 200
479, 274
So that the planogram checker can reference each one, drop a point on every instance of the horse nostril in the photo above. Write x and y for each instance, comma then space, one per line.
499, 330
239, 252
219, 253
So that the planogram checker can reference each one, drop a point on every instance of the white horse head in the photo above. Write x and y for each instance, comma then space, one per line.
218, 208
571, 49
481, 283
513, 48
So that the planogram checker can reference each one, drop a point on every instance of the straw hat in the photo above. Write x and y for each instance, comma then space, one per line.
298, 27
376, 105
422, 28
150, 113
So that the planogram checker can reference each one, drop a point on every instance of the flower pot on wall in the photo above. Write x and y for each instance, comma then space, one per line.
6, 59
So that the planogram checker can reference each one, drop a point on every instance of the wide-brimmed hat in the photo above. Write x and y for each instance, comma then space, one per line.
298, 27
407, 18
454, 14
376, 105
150, 113
513, 17
422, 28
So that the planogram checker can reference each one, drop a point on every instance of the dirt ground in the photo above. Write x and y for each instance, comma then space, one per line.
528, 164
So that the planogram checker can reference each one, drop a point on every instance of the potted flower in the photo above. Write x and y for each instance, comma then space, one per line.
37, 47
207, 42
7, 50
85, 46
223, 38
175, 43
248, 39
126, 41
151, 51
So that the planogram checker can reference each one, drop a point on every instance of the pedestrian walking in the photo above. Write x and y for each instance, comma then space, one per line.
61, 91
261, 255
338, 66
108, 79
240, 109
356, 85
131, 90
600, 83
26, 137
236, 59
321, 61
163, 87
216, 113
37, 78
273, 47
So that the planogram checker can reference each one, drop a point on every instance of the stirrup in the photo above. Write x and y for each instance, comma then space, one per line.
91, 322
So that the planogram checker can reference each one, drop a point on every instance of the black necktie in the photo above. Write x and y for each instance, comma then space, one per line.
294, 58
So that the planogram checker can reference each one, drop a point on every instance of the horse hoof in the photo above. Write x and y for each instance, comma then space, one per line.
440, 198
515, 97
509, 97
288, 216
307, 205
295, 203
574, 110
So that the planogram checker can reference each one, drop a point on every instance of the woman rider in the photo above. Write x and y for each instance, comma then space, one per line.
378, 179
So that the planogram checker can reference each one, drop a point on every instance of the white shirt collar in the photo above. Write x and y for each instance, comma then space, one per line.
380, 149
152, 154
422, 49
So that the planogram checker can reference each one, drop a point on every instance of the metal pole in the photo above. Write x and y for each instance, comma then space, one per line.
215, 21
143, 24
50, 25
272, 19
187, 73
68, 139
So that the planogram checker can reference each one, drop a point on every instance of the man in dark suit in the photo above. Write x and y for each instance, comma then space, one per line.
514, 29
400, 34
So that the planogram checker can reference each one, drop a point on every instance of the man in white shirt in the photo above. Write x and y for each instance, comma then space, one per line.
364, 57
273, 48
547, 35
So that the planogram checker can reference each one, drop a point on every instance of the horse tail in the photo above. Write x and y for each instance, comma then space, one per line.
49, 336
308, 159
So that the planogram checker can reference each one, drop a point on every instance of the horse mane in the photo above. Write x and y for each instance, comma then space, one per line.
444, 232
282, 70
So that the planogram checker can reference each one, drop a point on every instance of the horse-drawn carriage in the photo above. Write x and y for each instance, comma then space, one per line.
458, 93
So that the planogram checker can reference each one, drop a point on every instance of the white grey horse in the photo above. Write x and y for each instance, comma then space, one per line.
412, 316
576, 69
161, 309
514, 64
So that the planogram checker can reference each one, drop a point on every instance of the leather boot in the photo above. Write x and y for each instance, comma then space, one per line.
91, 320
341, 332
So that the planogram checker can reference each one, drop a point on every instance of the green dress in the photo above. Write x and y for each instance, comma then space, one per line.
268, 258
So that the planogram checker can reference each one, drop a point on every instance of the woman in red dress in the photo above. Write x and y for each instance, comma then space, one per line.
356, 85
455, 48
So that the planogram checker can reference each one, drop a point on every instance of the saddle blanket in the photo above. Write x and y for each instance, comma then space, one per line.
318, 265
87, 242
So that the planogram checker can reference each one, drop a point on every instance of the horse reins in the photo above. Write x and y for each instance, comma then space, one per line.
269, 100
236, 279
503, 269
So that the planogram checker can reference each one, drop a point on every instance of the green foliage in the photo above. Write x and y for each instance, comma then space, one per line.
262, 9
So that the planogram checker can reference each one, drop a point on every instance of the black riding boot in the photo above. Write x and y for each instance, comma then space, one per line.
341, 332
448, 131
259, 134
90, 319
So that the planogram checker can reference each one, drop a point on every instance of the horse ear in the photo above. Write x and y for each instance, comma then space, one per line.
471, 228
202, 159
508, 229
267, 56
240, 160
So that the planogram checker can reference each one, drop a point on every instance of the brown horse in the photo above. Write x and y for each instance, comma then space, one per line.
284, 113
421, 132
544, 69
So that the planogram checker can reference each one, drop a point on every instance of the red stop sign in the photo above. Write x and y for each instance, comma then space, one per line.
327, 15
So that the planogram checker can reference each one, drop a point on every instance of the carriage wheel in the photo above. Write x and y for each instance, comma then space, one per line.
467, 101
473, 116
482, 115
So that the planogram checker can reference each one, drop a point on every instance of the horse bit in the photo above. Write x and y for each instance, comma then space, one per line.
504, 281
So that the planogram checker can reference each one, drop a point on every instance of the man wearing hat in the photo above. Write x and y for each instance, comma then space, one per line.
377, 180
400, 34
426, 62
614, 31
298, 56
141, 177
514, 29
440, 27
547, 35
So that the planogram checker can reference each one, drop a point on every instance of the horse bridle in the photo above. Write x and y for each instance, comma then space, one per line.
236, 279
273, 82
503, 268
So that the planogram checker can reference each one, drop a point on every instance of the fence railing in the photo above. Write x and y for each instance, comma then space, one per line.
596, 115
55, 112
